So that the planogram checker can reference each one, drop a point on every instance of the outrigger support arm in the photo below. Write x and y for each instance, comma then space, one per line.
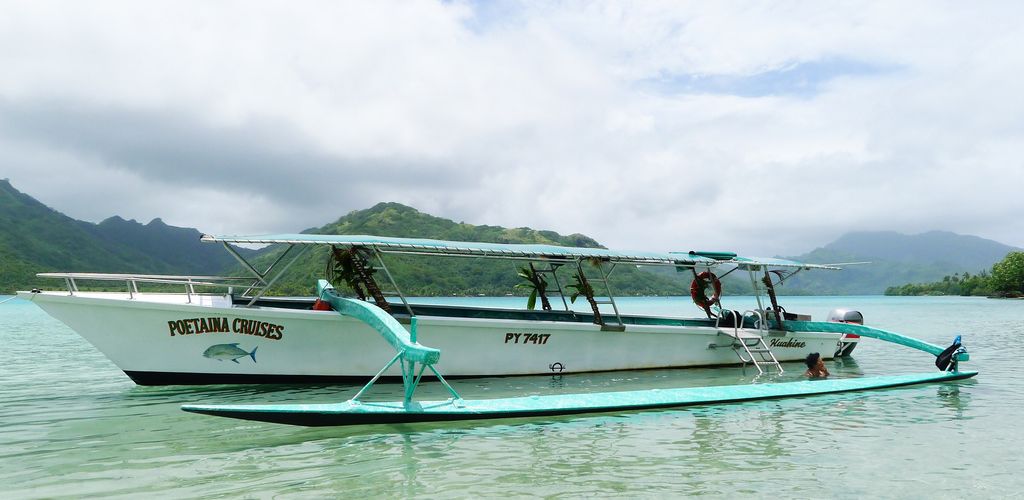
867, 331
409, 352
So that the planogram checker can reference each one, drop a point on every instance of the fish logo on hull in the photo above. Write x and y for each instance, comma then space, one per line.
220, 352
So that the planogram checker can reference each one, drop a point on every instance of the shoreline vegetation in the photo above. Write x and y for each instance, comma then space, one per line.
1004, 281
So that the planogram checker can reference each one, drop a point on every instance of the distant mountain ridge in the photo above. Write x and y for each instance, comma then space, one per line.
177, 247
896, 259
35, 238
964, 252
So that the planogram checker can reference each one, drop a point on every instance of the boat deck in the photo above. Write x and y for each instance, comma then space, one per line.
399, 311
453, 311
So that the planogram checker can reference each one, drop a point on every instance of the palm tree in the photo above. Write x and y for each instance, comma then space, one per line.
537, 284
342, 269
352, 267
582, 287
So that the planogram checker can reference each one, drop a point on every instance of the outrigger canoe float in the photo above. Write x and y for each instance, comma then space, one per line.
415, 359
241, 334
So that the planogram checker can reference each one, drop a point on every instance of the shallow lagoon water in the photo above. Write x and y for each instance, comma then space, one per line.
72, 425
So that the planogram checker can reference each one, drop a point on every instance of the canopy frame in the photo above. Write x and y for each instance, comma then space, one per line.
552, 255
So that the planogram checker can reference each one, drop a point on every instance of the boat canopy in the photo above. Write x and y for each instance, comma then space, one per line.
754, 262
387, 244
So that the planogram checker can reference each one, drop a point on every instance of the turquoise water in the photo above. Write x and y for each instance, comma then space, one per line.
72, 425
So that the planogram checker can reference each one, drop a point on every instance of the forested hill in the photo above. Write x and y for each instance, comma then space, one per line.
396, 219
418, 275
35, 238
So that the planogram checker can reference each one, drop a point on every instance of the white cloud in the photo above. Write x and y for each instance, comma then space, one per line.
766, 128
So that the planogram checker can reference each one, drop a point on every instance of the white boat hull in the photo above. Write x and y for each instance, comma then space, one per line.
160, 339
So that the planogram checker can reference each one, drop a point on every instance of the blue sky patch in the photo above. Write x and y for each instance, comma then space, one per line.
492, 14
804, 80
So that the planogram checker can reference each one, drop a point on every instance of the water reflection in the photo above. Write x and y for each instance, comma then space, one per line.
73, 425
557, 382
411, 466
951, 397
708, 433
848, 364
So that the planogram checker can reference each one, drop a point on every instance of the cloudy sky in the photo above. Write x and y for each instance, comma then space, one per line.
761, 127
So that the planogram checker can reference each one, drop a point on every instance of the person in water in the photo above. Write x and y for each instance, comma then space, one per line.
815, 366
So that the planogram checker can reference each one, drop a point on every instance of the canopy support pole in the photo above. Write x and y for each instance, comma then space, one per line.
261, 278
278, 275
241, 260
380, 258
554, 274
757, 289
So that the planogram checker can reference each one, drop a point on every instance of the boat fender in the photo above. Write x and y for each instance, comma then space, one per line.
698, 294
945, 358
321, 305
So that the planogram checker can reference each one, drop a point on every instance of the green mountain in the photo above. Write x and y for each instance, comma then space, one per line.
418, 275
895, 259
35, 238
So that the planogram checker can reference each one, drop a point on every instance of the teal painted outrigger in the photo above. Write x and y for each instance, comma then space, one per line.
415, 359
354, 412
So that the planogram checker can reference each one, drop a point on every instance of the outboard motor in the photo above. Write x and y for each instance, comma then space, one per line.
848, 341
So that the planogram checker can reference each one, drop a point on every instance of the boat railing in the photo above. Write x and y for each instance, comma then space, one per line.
739, 320
735, 319
762, 320
132, 281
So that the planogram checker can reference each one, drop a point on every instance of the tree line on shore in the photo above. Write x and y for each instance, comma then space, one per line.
1006, 279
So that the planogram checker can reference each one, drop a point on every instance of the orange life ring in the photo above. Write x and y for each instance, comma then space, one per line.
697, 290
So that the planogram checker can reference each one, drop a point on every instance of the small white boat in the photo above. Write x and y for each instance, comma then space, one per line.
249, 337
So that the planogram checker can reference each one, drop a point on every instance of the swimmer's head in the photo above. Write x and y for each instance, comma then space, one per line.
812, 359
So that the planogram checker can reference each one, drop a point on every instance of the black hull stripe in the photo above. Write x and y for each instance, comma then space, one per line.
192, 378
188, 378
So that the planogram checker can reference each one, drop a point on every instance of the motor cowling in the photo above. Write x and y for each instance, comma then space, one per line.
846, 316
848, 342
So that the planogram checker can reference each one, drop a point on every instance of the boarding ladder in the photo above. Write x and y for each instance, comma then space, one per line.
366, 278
750, 347
365, 270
